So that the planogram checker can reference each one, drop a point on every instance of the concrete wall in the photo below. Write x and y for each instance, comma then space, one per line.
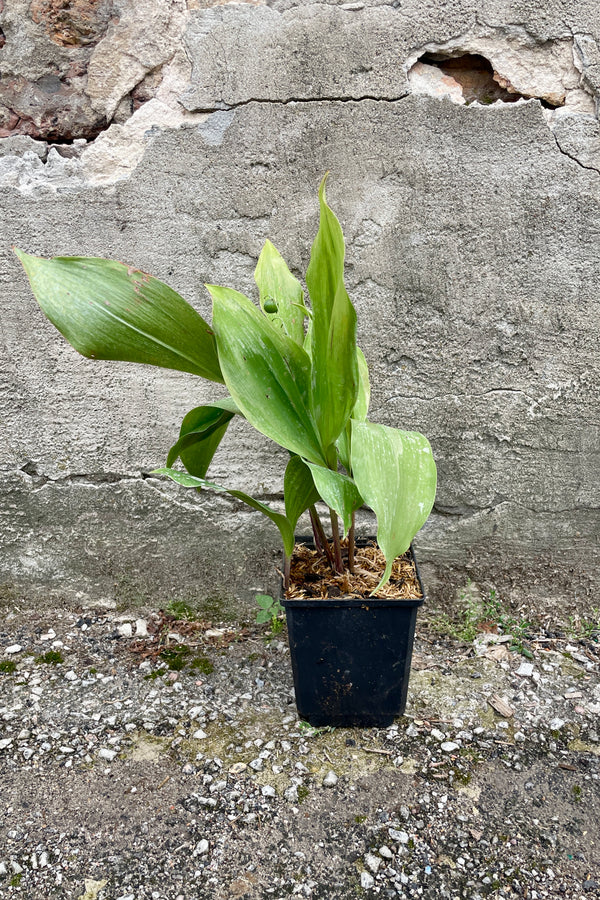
178, 137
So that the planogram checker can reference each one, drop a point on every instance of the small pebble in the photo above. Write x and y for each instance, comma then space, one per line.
330, 779
366, 881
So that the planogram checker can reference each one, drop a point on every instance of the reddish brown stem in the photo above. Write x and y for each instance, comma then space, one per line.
351, 545
337, 547
320, 531
316, 535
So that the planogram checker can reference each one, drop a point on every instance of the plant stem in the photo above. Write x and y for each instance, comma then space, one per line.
337, 549
286, 572
316, 535
351, 545
318, 527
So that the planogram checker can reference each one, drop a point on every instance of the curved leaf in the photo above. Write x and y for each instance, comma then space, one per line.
267, 373
334, 381
107, 310
276, 283
299, 489
201, 432
395, 472
338, 491
285, 529
361, 408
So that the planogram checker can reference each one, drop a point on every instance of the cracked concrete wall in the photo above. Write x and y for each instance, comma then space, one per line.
472, 258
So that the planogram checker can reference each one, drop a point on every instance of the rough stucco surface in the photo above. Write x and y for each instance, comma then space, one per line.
472, 258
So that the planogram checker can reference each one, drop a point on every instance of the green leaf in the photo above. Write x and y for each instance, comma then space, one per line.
334, 381
361, 408
267, 373
285, 529
338, 491
265, 601
107, 310
201, 432
262, 616
395, 472
276, 283
299, 489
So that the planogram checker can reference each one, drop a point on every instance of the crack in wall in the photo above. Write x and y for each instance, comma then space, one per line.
572, 156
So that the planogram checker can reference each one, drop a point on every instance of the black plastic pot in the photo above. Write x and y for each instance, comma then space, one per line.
351, 658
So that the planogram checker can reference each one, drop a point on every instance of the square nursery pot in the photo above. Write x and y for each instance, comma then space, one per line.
351, 657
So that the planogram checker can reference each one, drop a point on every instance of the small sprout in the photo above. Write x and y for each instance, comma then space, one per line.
50, 658
175, 657
202, 664
182, 610
158, 673
303, 793
8, 666
270, 611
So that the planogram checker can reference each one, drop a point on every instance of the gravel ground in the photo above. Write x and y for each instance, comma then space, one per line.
132, 772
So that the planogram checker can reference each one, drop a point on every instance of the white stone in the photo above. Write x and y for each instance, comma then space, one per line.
437, 734
14, 648
141, 628
6, 742
330, 779
199, 735
201, 847
373, 862
126, 629
268, 791
386, 852
400, 836
450, 746
106, 754
525, 670
366, 881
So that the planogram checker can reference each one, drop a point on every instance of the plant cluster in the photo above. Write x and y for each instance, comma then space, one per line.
293, 371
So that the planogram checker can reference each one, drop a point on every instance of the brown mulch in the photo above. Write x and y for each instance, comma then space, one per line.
311, 575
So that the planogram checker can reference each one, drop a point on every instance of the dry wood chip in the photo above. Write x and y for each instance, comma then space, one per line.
500, 705
498, 653
311, 576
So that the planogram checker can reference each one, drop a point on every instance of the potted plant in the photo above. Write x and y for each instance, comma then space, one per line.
296, 374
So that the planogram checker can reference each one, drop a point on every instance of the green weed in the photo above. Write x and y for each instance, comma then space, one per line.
51, 658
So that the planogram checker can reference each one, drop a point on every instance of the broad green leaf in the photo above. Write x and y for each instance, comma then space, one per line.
107, 310
334, 382
361, 408
395, 472
338, 491
263, 615
285, 529
266, 372
265, 601
201, 433
299, 489
276, 283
